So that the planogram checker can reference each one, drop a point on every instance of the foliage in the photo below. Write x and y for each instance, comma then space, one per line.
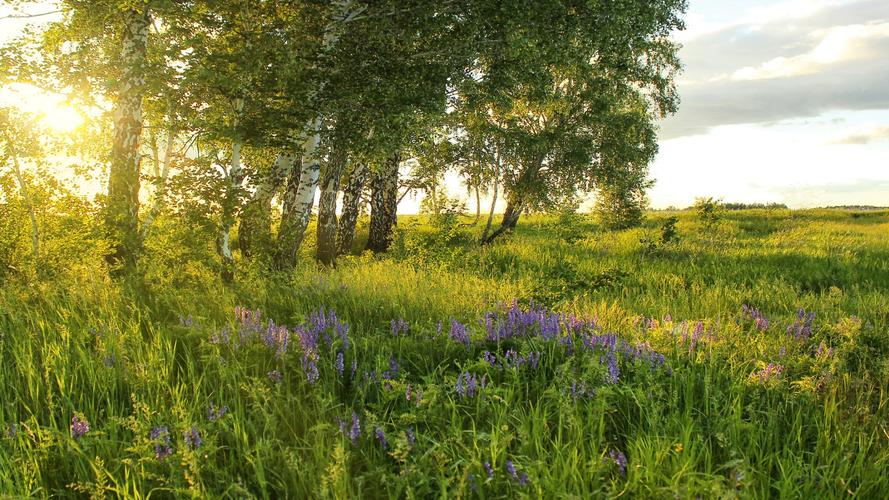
709, 211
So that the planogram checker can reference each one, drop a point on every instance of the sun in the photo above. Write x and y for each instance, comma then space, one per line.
61, 118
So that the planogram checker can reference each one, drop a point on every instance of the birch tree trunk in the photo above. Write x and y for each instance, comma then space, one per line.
351, 202
493, 206
26, 195
299, 196
255, 229
122, 211
383, 205
229, 204
327, 227
161, 174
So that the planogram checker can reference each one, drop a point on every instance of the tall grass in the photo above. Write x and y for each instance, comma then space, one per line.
718, 418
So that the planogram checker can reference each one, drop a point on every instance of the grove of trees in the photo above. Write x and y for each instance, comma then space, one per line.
253, 109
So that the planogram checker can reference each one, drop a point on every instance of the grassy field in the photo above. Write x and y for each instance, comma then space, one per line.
750, 358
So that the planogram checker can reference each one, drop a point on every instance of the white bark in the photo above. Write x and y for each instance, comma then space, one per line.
26, 195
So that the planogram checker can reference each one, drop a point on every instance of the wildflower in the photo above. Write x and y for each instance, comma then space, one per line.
613, 369
489, 358
459, 333
392, 372
338, 364
354, 369
275, 376
510, 467
162, 448
523, 479
472, 485
769, 372
355, 431
759, 320
193, 438
382, 438
419, 397
411, 438
467, 384
215, 413
79, 426
12, 431
619, 459
407, 392
399, 327
489, 470
802, 327
186, 321
533, 358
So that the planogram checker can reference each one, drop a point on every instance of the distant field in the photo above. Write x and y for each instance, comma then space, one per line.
748, 358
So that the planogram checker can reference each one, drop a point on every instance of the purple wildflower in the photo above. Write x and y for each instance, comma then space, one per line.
613, 374
338, 364
510, 467
759, 320
618, 459
161, 436
399, 327
489, 470
193, 438
419, 397
12, 431
79, 426
382, 438
215, 413
802, 327
411, 438
523, 479
275, 376
407, 392
459, 333
355, 431
354, 369
769, 372
467, 384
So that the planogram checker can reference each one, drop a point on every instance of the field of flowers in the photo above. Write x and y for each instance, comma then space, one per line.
748, 358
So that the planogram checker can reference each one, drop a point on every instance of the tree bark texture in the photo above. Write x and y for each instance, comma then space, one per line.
383, 205
229, 205
351, 204
255, 229
122, 211
327, 223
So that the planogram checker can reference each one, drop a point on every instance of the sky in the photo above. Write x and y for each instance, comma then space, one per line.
782, 101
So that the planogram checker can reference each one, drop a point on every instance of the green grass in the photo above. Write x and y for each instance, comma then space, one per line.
702, 425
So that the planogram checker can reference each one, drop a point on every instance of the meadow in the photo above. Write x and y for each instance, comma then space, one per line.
748, 357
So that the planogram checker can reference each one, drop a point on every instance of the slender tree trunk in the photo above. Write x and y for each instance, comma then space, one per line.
299, 197
478, 206
161, 174
514, 208
255, 229
351, 202
327, 223
122, 211
383, 205
491, 212
26, 195
229, 204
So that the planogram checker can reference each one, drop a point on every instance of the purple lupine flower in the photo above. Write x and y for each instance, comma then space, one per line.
392, 372
161, 436
355, 431
696, 335
783, 351
193, 438
411, 438
399, 327
523, 479
354, 369
533, 358
12, 431
79, 426
437, 330
489, 470
407, 392
310, 368
613, 374
489, 358
419, 397
802, 327
275, 376
459, 333
461, 391
618, 459
759, 320
214, 413
769, 372
338, 364
382, 438
510, 467
467, 384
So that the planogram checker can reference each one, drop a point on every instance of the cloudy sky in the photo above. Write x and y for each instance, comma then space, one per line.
782, 101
